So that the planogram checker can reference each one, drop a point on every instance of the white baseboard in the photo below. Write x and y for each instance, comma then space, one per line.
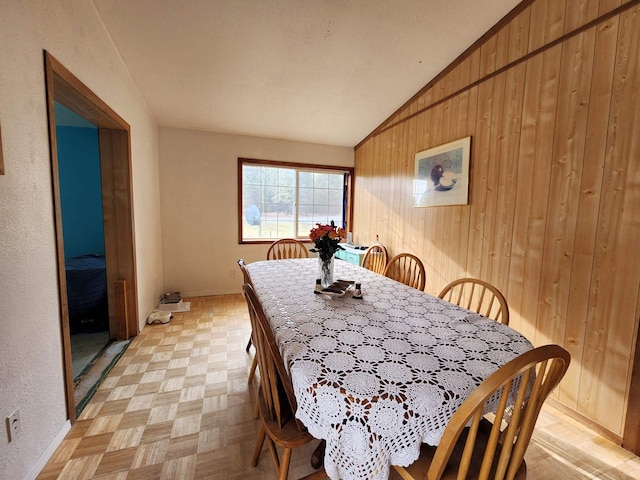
46, 455
209, 293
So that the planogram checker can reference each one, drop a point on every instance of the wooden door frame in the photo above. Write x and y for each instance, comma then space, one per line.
117, 199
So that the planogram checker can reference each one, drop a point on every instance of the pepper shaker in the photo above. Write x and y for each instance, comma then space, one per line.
358, 292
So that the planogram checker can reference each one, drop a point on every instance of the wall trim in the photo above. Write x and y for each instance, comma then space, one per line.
586, 421
49, 451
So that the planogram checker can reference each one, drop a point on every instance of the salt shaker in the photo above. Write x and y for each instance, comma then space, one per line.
358, 292
318, 284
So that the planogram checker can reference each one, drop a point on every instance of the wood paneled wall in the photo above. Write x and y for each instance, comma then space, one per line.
551, 99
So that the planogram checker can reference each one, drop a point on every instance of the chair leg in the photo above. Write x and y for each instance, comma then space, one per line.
254, 364
259, 443
256, 408
403, 473
317, 457
274, 453
283, 473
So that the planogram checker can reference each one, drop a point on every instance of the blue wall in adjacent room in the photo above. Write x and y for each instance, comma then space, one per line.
80, 190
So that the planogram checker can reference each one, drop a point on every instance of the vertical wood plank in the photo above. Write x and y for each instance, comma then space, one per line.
510, 152
494, 52
415, 213
466, 119
431, 255
580, 12
403, 193
465, 221
386, 173
358, 213
507, 110
441, 231
519, 36
565, 187
365, 159
588, 206
607, 5
447, 215
479, 179
406, 212
474, 66
494, 185
397, 192
548, 17
538, 121
488, 56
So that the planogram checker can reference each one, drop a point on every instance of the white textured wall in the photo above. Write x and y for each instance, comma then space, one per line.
31, 373
199, 203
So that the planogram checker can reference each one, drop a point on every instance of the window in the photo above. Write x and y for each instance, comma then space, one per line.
278, 199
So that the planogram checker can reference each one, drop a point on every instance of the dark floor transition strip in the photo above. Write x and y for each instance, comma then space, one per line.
93, 376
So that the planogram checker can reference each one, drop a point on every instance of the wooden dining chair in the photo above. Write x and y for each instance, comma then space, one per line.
478, 296
287, 248
481, 451
375, 258
247, 279
408, 269
278, 425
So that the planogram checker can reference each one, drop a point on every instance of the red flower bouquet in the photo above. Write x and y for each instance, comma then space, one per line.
327, 240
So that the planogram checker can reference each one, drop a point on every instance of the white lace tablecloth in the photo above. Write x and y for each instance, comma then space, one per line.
376, 377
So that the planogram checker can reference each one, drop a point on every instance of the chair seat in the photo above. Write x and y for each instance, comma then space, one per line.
287, 435
420, 466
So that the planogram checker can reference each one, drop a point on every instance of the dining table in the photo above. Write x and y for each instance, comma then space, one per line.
376, 376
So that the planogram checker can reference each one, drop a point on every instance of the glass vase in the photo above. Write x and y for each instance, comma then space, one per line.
325, 271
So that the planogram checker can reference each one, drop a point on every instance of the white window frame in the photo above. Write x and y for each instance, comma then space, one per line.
298, 167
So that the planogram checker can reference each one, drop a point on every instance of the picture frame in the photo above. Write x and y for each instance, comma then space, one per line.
442, 175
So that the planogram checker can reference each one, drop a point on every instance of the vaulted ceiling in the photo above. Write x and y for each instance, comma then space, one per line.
322, 71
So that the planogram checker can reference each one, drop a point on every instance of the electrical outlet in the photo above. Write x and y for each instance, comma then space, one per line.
13, 425
232, 273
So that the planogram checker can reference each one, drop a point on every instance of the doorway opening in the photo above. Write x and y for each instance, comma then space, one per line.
84, 249
114, 308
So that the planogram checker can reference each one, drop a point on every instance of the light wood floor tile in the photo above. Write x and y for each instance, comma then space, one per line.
157, 432
177, 405
116, 461
93, 445
150, 454
65, 450
91, 410
141, 402
81, 468
129, 437
113, 407
108, 423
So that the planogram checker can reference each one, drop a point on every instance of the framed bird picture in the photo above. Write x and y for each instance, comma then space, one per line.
442, 175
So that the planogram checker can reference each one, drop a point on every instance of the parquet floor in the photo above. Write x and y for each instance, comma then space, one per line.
177, 406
